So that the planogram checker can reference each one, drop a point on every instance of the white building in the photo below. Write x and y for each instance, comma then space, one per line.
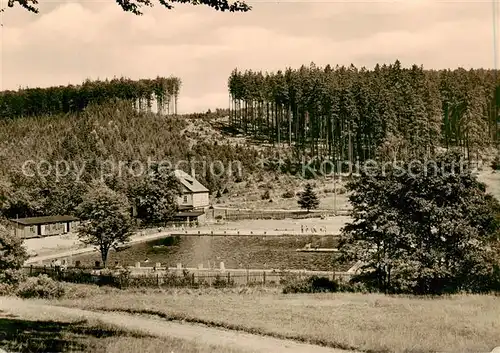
194, 194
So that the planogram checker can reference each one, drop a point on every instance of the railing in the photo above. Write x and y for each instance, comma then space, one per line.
236, 215
174, 277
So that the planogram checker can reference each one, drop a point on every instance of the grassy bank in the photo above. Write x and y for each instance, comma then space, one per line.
371, 322
58, 334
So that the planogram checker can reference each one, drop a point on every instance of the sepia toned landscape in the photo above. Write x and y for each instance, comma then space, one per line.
249, 177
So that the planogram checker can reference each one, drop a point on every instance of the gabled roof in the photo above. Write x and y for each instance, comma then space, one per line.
189, 182
44, 220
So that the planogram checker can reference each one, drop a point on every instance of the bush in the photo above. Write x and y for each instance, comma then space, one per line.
288, 194
40, 287
341, 190
120, 278
221, 282
12, 257
495, 164
6, 289
266, 195
313, 284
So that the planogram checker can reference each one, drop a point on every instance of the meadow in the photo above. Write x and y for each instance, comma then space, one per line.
362, 322
56, 333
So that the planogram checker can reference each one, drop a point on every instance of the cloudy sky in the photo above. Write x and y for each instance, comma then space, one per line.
70, 41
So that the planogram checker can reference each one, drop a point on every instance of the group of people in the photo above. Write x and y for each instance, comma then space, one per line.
56, 263
305, 229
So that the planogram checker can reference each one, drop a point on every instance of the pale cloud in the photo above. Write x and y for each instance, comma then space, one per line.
69, 42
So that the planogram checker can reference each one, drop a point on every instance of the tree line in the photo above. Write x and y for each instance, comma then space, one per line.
349, 113
75, 98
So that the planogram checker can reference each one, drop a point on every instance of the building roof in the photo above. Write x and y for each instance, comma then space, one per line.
189, 182
44, 220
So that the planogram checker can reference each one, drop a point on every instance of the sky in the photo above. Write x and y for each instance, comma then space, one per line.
70, 41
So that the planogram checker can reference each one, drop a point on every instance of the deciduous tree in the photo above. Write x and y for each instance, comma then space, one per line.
12, 256
106, 221
155, 196
422, 230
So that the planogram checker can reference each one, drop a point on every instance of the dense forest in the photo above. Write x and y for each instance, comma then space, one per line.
110, 142
349, 114
70, 99
341, 113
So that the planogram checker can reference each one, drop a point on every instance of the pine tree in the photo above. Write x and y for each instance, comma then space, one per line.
308, 199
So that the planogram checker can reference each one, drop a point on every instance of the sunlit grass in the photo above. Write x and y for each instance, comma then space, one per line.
370, 322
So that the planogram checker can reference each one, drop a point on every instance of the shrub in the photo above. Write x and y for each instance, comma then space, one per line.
288, 194
40, 287
313, 284
6, 289
221, 282
355, 287
12, 257
495, 164
341, 190
120, 278
266, 195
218, 216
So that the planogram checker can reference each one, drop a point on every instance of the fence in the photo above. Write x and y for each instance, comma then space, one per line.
237, 215
148, 277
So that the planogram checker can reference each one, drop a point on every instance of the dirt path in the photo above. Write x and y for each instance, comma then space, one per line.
37, 310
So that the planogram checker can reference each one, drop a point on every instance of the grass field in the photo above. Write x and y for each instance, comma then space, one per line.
371, 322
262, 252
60, 334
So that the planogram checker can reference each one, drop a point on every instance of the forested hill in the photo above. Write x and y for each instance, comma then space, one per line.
349, 113
48, 163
